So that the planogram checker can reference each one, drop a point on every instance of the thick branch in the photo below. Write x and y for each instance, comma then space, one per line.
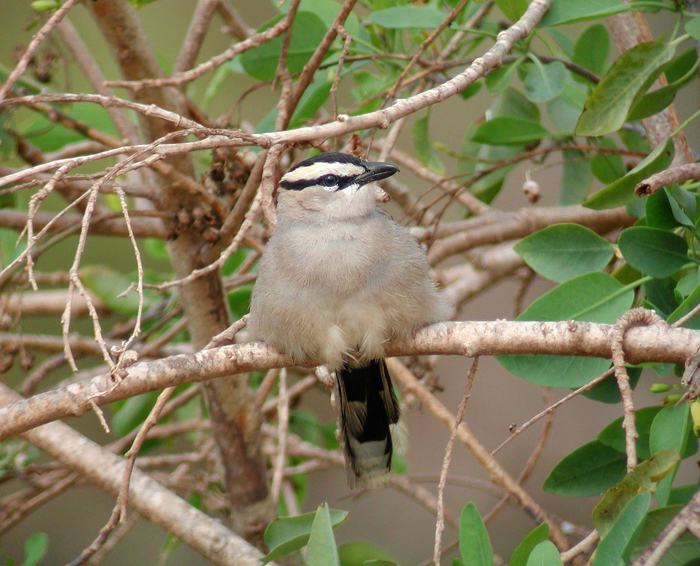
508, 226
668, 177
628, 30
203, 299
641, 344
149, 498
45, 303
114, 226
347, 124
199, 25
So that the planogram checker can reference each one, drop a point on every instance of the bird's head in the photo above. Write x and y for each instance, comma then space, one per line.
332, 185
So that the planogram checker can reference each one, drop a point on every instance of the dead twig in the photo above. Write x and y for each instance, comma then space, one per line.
631, 317
17, 72
440, 523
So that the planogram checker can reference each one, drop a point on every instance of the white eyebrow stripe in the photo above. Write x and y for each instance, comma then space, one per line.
320, 168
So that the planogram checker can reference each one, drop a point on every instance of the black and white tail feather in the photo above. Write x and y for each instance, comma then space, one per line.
369, 423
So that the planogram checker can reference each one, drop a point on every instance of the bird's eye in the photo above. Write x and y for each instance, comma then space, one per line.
329, 180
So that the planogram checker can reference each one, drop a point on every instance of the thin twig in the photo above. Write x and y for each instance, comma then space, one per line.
139, 268
493, 468
440, 523
283, 427
531, 461
56, 17
210, 65
551, 408
119, 512
196, 32
631, 317
582, 547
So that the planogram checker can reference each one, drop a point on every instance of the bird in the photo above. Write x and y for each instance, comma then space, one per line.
339, 278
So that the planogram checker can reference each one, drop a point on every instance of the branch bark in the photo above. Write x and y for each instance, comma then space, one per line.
629, 29
641, 344
203, 299
149, 498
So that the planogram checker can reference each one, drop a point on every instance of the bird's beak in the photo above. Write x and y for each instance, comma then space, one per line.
376, 172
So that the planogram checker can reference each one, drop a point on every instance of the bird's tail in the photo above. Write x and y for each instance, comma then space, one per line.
369, 416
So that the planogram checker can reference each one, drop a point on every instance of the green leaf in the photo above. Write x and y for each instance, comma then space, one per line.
563, 251
687, 284
679, 72
684, 308
287, 534
621, 192
652, 251
327, 10
474, 544
49, 136
321, 549
609, 102
608, 168
564, 41
156, 249
133, 412
45, 5
239, 300
509, 131
514, 104
591, 50
544, 554
499, 79
425, 152
470, 91
554, 371
594, 297
576, 178
692, 28
522, 552
652, 103
634, 140
659, 213
512, 9
108, 285
643, 479
685, 549
660, 293
683, 205
610, 549
607, 391
307, 32
681, 495
401, 17
545, 82
588, 470
569, 11
35, 548
613, 435
358, 553
564, 114
312, 99
671, 429
138, 4
655, 101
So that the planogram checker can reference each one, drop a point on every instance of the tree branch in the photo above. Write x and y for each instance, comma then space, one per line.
149, 498
56, 17
641, 344
662, 179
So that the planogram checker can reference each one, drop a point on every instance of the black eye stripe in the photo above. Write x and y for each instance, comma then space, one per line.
303, 183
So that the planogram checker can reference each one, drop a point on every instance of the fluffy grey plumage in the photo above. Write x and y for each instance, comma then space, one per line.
339, 278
